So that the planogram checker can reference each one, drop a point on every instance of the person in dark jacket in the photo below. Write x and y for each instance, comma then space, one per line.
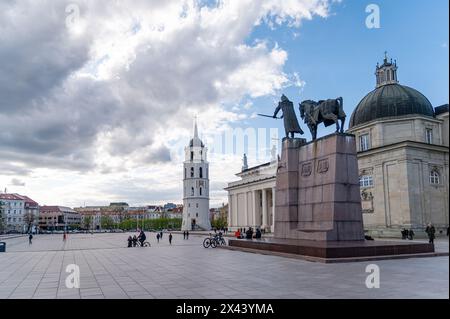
249, 233
187, 234
157, 237
258, 234
135, 241
30, 239
142, 238
431, 232
130, 241
170, 238
411, 234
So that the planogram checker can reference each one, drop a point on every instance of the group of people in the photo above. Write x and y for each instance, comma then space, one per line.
159, 237
133, 241
407, 234
242, 233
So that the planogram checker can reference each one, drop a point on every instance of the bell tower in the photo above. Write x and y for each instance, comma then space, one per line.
196, 185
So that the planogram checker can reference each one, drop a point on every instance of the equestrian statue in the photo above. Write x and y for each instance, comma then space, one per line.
328, 112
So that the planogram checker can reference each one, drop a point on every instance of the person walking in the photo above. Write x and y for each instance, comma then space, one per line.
184, 235
157, 237
431, 232
64, 237
170, 239
187, 235
30, 239
161, 234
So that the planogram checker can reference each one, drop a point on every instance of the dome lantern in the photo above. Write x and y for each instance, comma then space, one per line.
387, 73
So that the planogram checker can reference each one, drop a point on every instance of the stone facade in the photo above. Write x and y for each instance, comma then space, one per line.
399, 160
251, 200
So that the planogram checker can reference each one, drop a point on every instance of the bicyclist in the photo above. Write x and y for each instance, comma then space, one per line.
142, 238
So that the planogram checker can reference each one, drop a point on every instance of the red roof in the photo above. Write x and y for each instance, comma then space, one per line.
26, 199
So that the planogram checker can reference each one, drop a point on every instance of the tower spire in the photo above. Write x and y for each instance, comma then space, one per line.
195, 128
387, 73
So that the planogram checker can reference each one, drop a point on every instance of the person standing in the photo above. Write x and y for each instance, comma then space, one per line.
64, 237
157, 237
170, 239
411, 234
431, 231
161, 234
30, 239
184, 235
187, 235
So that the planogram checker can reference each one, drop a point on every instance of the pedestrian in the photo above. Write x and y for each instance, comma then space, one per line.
30, 239
170, 238
130, 242
161, 234
431, 231
411, 234
64, 236
157, 237
184, 235
187, 235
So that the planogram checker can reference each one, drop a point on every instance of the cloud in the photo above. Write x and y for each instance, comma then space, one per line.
119, 88
17, 182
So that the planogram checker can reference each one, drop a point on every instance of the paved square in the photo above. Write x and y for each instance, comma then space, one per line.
187, 270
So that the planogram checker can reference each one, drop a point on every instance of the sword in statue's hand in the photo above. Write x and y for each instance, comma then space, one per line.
271, 116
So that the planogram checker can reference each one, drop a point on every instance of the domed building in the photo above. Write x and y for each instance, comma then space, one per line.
403, 155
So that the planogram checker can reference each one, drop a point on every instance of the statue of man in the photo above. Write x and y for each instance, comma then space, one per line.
291, 125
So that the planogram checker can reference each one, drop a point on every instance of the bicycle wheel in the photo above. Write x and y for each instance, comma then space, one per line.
147, 244
206, 243
213, 243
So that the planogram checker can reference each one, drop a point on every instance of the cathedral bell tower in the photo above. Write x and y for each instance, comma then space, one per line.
196, 186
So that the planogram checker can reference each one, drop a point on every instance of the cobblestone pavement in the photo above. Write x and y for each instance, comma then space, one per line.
186, 270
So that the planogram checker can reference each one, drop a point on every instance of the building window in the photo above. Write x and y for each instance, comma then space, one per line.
201, 172
366, 181
364, 142
196, 205
192, 191
192, 156
429, 135
196, 215
435, 178
192, 172
200, 191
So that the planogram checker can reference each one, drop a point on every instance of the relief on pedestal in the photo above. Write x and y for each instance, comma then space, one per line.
323, 166
306, 169
367, 202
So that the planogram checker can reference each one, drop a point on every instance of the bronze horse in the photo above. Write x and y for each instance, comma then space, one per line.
328, 112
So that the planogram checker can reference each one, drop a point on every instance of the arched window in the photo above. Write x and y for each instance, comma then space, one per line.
192, 172
201, 191
201, 172
435, 177
192, 156
192, 191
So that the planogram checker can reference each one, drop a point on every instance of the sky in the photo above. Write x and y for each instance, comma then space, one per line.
98, 98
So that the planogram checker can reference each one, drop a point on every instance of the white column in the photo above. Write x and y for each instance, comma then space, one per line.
264, 208
246, 209
254, 206
230, 209
273, 209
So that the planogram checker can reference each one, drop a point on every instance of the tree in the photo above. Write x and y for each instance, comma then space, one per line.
28, 220
87, 221
219, 223
107, 222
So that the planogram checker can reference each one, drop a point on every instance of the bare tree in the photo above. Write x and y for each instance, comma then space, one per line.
28, 220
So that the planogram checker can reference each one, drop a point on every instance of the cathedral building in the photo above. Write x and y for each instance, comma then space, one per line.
403, 155
196, 186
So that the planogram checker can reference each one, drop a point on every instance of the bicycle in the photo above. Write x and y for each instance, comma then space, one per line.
144, 244
215, 241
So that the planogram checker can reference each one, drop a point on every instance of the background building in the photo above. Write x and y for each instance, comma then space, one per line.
21, 213
196, 186
402, 155
58, 218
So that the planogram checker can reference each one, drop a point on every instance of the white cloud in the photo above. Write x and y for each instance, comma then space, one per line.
112, 94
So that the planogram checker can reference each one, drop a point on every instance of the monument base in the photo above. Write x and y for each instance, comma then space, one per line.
335, 251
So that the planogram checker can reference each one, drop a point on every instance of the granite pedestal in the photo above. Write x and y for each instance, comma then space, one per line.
318, 204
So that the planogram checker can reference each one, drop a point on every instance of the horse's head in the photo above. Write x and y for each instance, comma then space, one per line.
306, 107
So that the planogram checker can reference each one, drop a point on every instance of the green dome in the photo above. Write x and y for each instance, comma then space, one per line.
390, 101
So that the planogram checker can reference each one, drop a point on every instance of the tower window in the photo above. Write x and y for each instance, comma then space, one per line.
192, 191
201, 172
435, 177
192, 172
364, 142
196, 215
429, 135
201, 191
192, 156
196, 205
